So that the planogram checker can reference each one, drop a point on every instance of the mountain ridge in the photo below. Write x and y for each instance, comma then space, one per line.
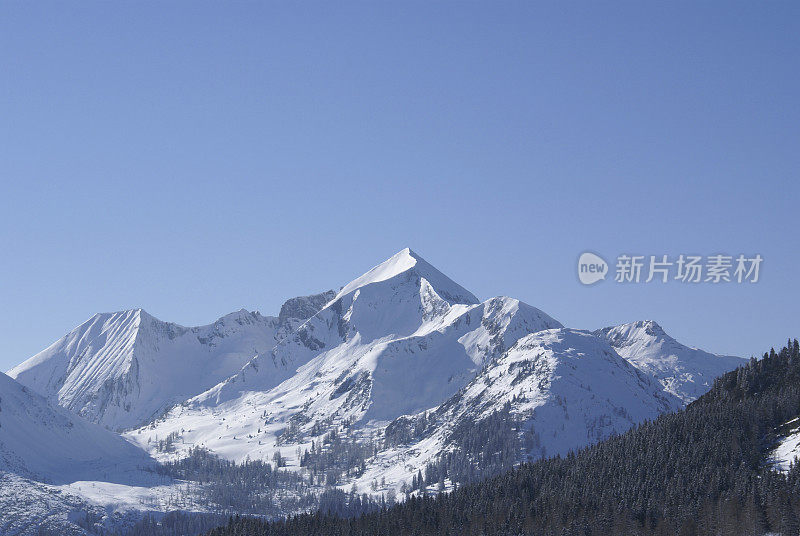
683, 371
124, 368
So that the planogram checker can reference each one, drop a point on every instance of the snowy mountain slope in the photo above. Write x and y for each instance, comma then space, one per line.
566, 389
122, 369
569, 385
684, 372
787, 448
387, 345
86, 508
60, 474
30, 508
48, 443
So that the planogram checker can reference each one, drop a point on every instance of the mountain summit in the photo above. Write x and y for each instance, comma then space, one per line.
402, 323
406, 262
684, 372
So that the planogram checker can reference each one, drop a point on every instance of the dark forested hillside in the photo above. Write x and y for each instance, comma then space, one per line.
700, 471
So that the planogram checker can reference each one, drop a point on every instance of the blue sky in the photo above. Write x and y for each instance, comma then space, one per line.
194, 158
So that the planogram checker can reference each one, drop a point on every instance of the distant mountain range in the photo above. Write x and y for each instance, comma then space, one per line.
402, 361
123, 369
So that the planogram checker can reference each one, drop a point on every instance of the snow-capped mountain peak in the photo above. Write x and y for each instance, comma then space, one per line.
402, 298
406, 261
683, 371
638, 332
399, 339
123, 369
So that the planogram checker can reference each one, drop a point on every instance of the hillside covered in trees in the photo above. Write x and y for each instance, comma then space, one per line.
701, 471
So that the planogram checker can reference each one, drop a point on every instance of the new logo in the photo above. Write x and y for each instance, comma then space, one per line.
591, 268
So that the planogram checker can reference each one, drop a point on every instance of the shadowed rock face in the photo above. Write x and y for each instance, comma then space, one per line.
304, 307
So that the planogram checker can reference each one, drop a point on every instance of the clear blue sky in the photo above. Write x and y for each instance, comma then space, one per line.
194, 158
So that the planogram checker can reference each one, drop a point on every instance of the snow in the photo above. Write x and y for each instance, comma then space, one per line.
84, 507
404, 261
28, 507
788, 446
63, 473
53, 445
570, 387
682, 371
124, 369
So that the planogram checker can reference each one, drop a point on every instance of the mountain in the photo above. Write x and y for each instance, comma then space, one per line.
123, 369
698, 471
48, 443
684, 372
567, 387
402, 381
404, 342
402, 321
403, 345
552, 392
400, 339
